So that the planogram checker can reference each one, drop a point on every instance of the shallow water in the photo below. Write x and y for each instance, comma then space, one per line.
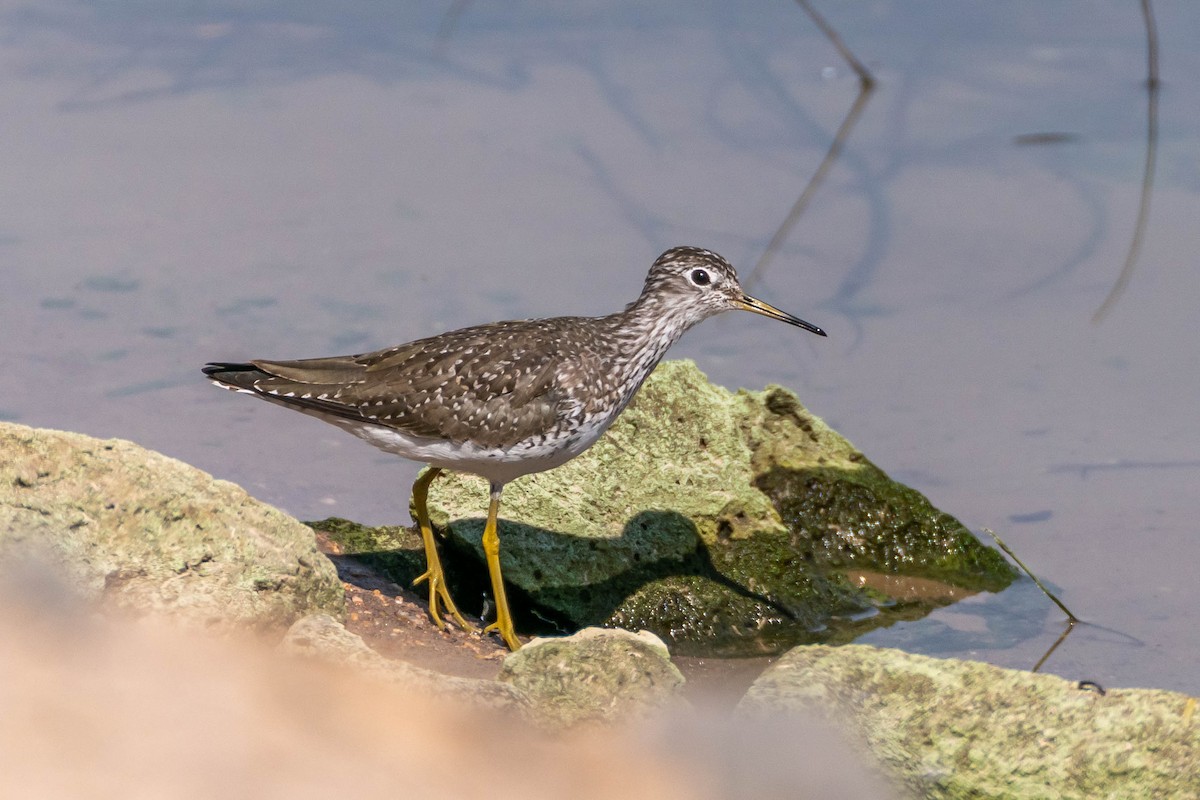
286, 182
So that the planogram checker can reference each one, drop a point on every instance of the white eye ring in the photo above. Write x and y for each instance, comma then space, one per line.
700, 277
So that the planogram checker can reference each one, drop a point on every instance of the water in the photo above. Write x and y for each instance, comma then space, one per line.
285, 181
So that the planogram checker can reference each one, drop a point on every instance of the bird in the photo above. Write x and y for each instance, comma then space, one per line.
504, 399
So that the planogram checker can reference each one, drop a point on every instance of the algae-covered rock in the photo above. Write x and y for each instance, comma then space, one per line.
724, 522
848, 513
144, 532
597, 675
962, 729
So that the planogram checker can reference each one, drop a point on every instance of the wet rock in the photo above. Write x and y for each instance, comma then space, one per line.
959, 729
321, 637
389, 550
730, 523
142, 532
596, 675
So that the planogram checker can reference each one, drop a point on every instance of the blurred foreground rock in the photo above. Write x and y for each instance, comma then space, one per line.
102, 709
961, 729
320, 637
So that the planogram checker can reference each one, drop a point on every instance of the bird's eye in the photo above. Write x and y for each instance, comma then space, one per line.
700, 277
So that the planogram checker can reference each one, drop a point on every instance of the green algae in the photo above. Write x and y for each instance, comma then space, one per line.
865, 521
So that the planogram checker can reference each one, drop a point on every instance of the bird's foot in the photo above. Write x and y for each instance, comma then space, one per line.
504, 627
439, 594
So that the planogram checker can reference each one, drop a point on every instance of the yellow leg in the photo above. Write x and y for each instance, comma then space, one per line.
433, 571
491, 548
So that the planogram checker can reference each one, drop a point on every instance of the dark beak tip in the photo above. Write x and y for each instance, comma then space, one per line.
749, 303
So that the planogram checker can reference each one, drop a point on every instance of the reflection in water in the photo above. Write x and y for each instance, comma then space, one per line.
1062, 637
449, 23
1048, 137
866, 84
1120, 465
1139, 228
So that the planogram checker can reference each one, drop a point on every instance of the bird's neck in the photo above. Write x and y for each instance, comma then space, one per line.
644, 332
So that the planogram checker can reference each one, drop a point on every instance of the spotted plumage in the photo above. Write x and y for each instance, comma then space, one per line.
509, 398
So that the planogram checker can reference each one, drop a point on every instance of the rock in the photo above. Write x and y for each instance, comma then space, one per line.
146, 533
101, 709
323, 638
959, 729
596, 675
390, 550
730, 523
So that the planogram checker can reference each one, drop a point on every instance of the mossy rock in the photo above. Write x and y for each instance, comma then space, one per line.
133, 529
724, 522
951, 729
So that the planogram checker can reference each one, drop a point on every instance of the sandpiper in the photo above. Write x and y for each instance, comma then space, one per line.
505, 399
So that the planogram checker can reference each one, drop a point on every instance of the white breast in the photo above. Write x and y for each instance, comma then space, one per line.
498, 465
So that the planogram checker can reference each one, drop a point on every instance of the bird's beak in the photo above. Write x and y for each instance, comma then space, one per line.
748, 303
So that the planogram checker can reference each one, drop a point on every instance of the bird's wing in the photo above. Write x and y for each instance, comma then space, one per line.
483, 383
